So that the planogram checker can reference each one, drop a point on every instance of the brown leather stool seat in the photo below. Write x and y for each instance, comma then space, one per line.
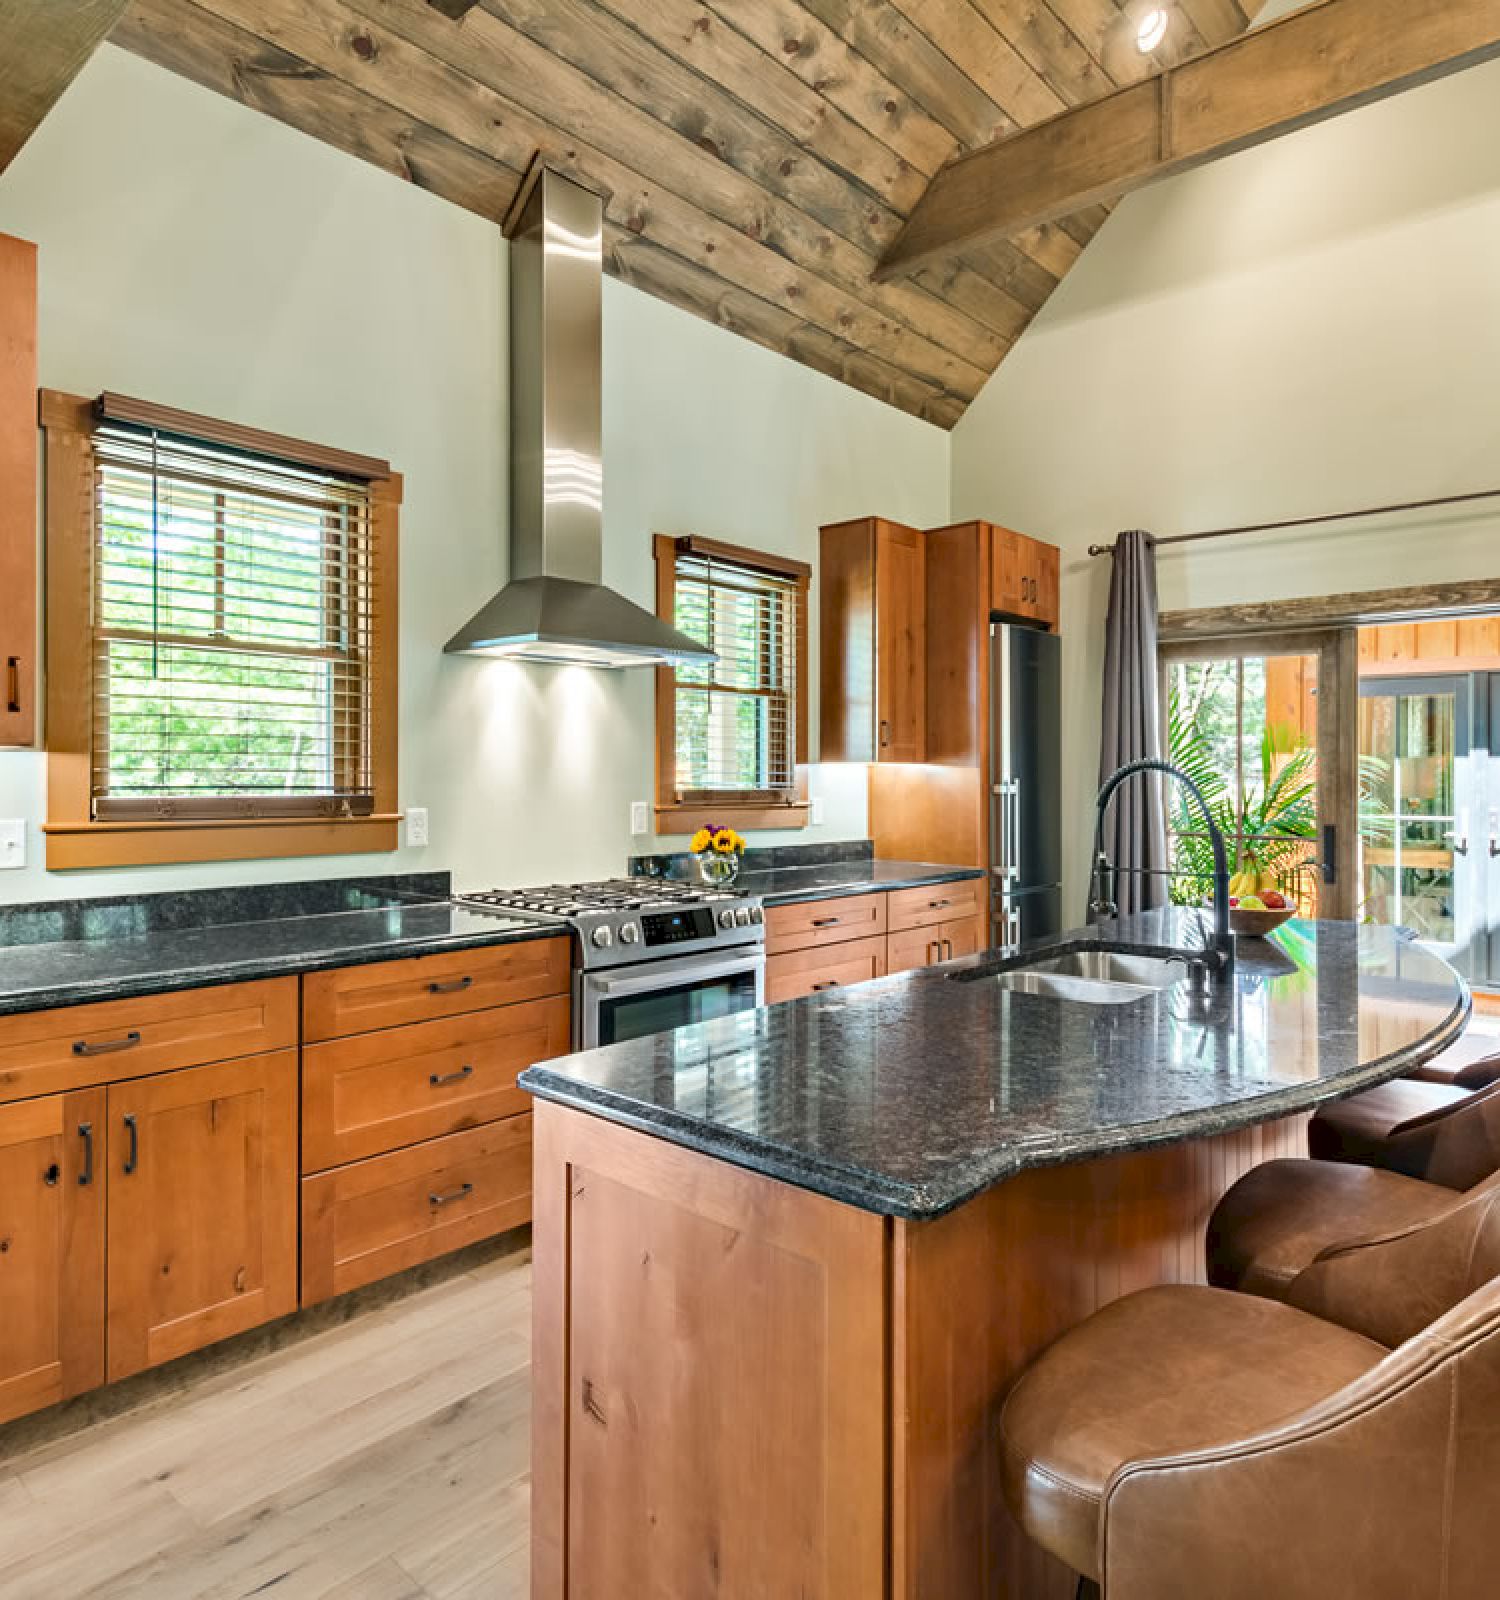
1282, 1215
1453, 1070
1185, 1442
1437, 1132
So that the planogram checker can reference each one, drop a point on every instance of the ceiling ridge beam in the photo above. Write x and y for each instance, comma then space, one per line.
44, 44
1300, 70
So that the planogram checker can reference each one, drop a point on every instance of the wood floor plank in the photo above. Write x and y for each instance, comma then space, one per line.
383, 1460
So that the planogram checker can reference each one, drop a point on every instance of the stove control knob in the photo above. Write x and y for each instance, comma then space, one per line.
756, 914
726, 918
742, 916
602, 937
629, 933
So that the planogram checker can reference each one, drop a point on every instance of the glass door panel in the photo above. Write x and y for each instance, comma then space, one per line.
1415, 809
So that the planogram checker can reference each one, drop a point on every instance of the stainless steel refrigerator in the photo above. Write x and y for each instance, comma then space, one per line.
1025, 785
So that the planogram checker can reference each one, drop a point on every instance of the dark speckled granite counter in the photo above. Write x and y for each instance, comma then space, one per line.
910, 1095
73, 952
784, 886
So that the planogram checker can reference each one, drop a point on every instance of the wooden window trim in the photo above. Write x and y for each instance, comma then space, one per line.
73, 838
750, 812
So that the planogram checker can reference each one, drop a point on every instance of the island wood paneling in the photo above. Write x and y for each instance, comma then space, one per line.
978, 1294
755, 161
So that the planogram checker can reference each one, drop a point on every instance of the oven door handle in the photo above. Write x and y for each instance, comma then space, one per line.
667, 975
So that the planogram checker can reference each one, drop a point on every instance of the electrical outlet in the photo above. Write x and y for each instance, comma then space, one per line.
815, 810
12, 842
416, 826
640, 817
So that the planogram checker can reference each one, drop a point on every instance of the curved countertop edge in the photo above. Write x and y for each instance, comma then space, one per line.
864, 877
920, 1203
250, 969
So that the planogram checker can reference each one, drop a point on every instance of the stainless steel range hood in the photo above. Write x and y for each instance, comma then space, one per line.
556, 608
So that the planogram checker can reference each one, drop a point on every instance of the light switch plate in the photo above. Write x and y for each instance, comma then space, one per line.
12, 842
640, 817
416, 825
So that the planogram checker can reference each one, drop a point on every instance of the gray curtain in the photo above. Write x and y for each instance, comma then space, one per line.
1135, 834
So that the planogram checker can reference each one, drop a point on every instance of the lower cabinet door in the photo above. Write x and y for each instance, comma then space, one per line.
376, 1217
964, 936
51, 1250
835, 966
202, 1207
941, 941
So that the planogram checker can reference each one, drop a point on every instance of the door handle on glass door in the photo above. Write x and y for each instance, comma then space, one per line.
1460, 843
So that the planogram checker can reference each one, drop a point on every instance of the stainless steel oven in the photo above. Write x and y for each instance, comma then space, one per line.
656, 996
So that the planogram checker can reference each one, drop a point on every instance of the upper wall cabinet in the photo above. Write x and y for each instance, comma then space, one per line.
872, 597
1023, 577
18, 459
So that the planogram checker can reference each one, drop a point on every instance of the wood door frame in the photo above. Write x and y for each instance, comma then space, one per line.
1337, 649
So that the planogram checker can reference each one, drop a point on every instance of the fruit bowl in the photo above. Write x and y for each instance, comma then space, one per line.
1256, 924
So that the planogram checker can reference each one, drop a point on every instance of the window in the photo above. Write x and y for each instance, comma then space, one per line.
235, 594
732, 736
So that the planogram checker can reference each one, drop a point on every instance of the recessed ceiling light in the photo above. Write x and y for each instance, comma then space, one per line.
1152, 31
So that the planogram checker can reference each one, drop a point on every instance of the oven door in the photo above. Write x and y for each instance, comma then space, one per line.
657, 996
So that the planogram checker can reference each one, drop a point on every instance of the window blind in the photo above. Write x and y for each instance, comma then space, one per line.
231, 639
736, 717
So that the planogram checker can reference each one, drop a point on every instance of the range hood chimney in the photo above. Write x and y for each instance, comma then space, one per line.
556, 608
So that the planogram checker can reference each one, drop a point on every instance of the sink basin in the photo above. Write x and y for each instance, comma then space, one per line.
1083, 991
1091, 977
1112, 966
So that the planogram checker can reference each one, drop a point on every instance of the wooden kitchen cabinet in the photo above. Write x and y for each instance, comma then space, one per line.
202, 1207
1023, 577
934, 943
798, 972
18, 469
873, 610
51, 1250
824, 922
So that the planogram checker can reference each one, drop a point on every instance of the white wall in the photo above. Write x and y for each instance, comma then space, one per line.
199, 254
1310, 326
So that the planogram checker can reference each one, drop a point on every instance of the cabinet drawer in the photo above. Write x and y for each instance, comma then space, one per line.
47, 1052
937, 942
387, 994
820, 922
798, 972
381, 1216
375, 1092
940, 902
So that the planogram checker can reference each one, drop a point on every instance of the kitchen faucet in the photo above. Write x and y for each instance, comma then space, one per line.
1219, 956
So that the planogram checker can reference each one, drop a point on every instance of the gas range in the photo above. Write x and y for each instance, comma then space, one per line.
628, 921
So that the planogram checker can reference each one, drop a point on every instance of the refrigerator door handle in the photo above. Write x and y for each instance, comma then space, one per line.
1014, 860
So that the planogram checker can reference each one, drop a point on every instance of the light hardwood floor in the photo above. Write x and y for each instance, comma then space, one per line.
383, 1460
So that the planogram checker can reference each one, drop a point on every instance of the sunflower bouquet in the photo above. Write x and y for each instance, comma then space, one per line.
718, 850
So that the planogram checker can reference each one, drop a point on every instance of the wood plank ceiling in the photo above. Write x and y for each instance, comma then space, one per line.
756, 156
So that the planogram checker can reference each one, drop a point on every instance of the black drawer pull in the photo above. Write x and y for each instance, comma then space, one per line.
827, 983
450, 986
104, 1047
440, 1080
133, 1160
462, 1192
826, 922
86, 1133
937, 905
13, 683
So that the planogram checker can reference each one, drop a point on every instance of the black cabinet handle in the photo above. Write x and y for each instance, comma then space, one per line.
948, 947
133, 1160
13, 683
453, 986
104, 1047
463, 1192
826, 922
86, 1133
440, 1080
827, 983
937, 905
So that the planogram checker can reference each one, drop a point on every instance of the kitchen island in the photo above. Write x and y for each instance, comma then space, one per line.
788, 1263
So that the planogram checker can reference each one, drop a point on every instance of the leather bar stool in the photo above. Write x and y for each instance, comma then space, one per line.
1190, 1442
1458, 1073
1440, 1133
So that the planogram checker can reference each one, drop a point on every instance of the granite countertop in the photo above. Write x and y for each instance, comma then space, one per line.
111, 950
785, 886
912, 1094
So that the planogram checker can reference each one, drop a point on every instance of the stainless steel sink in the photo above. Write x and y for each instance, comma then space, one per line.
1094, 977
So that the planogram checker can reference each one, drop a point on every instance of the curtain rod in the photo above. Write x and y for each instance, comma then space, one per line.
1304, 522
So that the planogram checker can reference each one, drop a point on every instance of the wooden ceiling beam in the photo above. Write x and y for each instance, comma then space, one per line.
43, 46
454, 10
1303, 69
